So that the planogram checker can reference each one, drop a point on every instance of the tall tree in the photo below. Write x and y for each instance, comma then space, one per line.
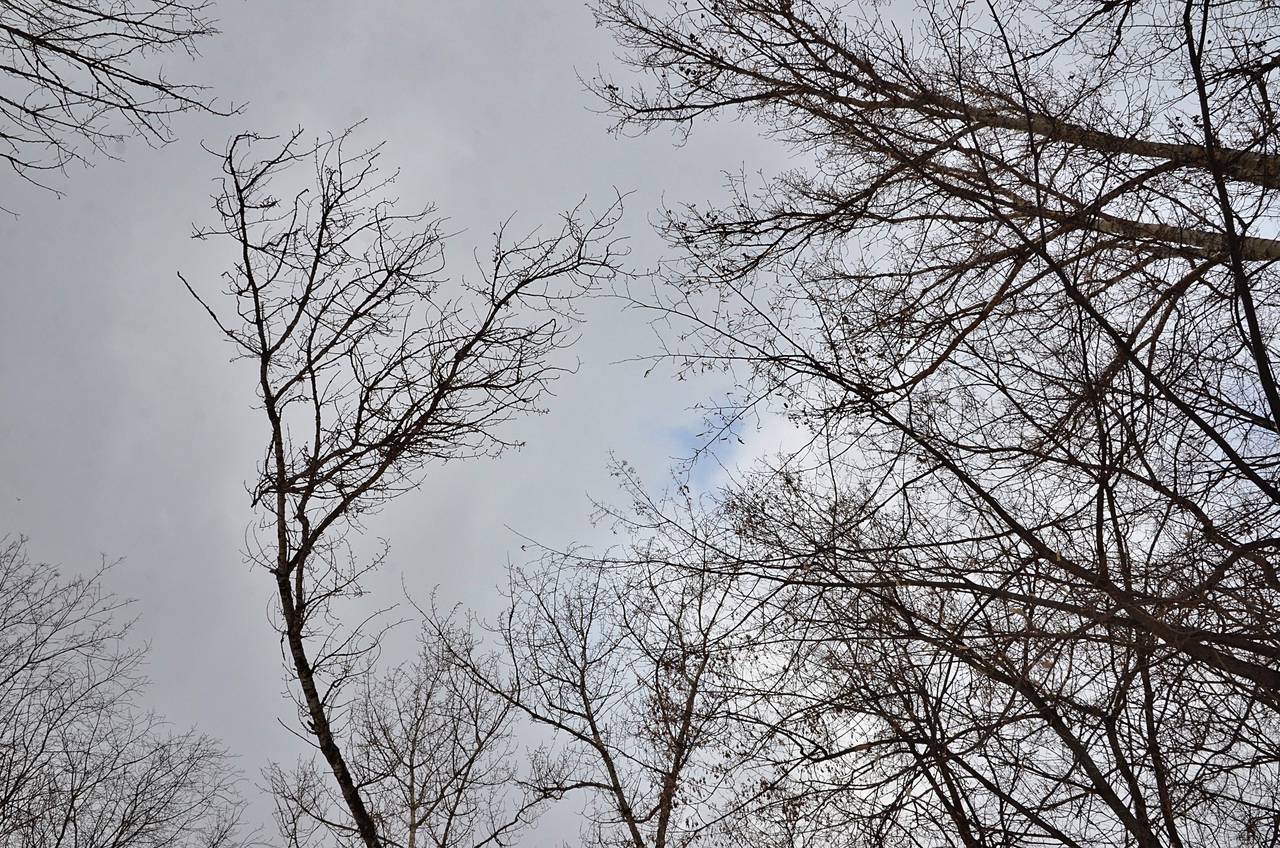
370, 366
1024, 299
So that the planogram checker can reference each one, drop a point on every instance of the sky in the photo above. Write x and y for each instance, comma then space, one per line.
125, 433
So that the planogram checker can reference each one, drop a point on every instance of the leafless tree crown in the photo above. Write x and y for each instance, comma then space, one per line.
369, 366
82, 763
1022, 297
1018, 587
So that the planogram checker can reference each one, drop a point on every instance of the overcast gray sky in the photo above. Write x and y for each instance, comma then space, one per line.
124, 431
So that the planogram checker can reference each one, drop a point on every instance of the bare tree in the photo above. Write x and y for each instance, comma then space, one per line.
369, 367
630, 673
1024, 299
85, 73
431, 748
82, 765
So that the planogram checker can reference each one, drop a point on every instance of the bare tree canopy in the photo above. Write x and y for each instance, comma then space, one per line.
77, 75
433, 752
1015, 584
369, 366
82, 763
627, 672
1024, 302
